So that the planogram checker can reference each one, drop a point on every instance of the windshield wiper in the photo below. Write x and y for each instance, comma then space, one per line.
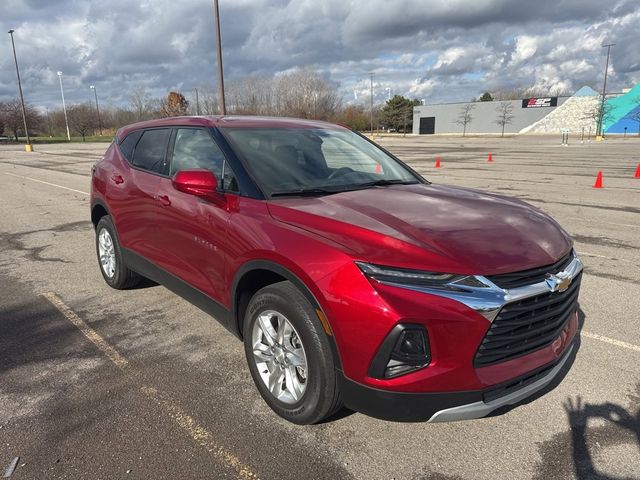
304, 192
384, 183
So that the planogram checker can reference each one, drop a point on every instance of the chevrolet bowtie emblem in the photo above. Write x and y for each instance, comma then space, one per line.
558, 282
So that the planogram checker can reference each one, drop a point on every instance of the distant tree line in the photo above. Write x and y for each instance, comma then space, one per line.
301, 94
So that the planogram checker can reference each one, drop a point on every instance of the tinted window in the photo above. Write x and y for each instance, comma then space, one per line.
150, 151
194, 148
129, 143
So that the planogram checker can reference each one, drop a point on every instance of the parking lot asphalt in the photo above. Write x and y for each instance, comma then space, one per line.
98, 383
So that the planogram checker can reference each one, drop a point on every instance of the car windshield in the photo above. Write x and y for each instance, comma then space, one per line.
314, 161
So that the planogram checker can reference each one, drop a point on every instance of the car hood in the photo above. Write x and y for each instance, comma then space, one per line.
431, 227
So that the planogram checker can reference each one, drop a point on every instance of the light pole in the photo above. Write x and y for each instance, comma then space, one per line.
28, 147
95, 93
223, 107
371, 75
64, 107
604, 92
388, 89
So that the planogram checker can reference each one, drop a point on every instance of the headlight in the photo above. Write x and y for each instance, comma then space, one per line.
407, 276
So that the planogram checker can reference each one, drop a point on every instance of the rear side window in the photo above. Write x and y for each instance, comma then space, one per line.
129, 143
150, 152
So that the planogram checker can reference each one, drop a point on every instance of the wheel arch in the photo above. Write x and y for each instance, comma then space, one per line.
256, 274
98, 210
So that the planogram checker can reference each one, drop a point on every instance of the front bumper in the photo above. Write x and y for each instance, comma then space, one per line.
449, 406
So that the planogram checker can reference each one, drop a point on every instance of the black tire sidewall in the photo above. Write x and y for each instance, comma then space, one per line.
120, 277
286, 299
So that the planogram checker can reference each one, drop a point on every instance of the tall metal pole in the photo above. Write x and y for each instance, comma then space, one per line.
604, 90
223, 106
95, 93
197, 102
371, 75
24, 113
64, 107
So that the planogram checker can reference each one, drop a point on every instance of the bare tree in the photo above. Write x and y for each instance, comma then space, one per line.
141, 103
208, 103
527, 92
82, 119
602, 112
11, 117
304, 93
465, 117
634, 115
505, 114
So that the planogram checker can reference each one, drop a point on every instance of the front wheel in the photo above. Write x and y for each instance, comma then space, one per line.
289, 355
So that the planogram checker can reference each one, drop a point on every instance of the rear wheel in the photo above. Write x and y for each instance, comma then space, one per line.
289, 355
114, 271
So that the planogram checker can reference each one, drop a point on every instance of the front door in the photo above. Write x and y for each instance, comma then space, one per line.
193, 231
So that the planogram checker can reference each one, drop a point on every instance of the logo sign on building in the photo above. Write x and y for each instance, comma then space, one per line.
540, 102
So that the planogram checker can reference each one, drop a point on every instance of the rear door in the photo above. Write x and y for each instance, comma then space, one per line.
138, 201
193, 231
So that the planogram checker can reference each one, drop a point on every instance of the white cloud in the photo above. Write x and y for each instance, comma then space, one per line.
456, 49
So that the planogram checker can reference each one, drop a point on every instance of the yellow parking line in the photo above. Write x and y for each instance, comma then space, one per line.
197, 432
47, 183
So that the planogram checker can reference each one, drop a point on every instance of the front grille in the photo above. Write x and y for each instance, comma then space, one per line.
526, 325
529, 277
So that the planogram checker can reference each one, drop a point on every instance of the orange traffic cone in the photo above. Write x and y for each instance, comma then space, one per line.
637, 175
438, 162
598, 183
490, 159
378, 169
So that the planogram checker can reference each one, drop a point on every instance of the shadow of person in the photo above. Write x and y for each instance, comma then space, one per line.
579, 413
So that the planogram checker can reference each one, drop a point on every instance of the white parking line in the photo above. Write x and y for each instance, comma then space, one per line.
197, 432
47, 183
611, 341
583, 219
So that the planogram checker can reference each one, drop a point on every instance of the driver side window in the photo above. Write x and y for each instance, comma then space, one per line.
194, 148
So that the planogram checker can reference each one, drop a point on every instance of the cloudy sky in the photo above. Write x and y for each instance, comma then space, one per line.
437, 50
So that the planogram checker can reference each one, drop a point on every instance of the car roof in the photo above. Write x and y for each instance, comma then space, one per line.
226, 121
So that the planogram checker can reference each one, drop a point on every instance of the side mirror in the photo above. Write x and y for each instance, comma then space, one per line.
201, 183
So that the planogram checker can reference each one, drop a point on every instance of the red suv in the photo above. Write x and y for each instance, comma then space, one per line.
350, 278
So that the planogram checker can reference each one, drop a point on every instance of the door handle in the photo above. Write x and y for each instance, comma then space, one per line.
117, 179
164, 200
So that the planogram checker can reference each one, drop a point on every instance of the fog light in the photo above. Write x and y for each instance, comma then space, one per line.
405, 349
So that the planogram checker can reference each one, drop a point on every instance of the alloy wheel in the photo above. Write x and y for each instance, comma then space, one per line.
106, 252
279, 356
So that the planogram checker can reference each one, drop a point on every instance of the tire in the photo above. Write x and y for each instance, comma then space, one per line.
116, 274
302, 395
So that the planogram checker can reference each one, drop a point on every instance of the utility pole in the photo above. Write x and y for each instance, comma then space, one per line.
371, 75
223, 107
28, 147
604, 92
95, 93
197, 102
